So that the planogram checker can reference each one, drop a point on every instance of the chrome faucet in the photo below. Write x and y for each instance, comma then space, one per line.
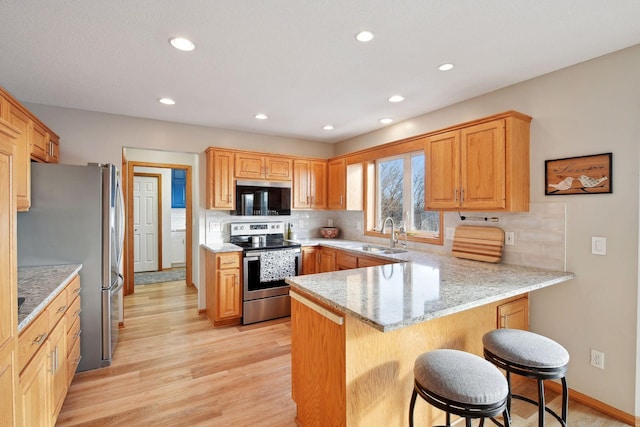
392, 239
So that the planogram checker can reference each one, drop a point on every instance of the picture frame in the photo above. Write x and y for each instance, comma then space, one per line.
579, 175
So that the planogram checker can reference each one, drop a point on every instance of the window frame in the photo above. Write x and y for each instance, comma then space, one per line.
372, 202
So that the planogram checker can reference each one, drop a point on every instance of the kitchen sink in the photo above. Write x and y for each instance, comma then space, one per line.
383, 250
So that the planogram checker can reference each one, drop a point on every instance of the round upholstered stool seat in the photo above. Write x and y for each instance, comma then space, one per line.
460, 383
531, 355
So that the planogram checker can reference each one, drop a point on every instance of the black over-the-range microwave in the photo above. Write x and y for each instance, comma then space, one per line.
262, 198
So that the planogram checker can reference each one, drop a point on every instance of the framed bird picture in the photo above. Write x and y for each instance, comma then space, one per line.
578, 175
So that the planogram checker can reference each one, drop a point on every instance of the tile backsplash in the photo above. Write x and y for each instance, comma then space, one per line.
539, 234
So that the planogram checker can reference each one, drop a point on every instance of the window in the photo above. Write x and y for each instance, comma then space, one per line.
399, 183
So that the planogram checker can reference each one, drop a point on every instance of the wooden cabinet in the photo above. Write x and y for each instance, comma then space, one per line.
514, 314
336, 184
334, 259
309, 184
257, 166
33, 141
346, 261
479, 166
327, 260
22, 163
8, 277
53, 153
221, 191
39, 142
44, 350
310, 259
224, 288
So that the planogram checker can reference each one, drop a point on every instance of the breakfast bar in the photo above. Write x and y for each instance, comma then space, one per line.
357, 333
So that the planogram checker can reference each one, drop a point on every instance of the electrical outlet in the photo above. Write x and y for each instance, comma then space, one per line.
449, 233
597, 359
509, 238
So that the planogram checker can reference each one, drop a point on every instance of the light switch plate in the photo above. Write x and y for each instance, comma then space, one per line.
598, 245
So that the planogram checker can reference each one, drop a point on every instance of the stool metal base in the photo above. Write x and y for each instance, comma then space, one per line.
539, 374
467, 411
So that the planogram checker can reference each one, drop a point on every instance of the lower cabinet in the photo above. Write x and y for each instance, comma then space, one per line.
514, 314
330, 259
327, 260
310, 260
224, 288
43, 348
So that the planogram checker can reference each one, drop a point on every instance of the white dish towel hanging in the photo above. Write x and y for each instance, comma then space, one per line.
276, 265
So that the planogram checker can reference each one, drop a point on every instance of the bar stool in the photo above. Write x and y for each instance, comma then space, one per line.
533, 356
462, 384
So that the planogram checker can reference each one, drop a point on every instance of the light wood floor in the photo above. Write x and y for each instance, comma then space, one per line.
171, 368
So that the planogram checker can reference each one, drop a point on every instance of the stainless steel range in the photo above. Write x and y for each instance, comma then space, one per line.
267, 259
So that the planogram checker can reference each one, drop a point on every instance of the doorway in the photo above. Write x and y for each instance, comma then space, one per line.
130, 247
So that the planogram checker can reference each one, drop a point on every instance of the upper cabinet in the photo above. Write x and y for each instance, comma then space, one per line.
309, 184
257, 166
482, 166
34, 142
221, 191
337, 184
178, 188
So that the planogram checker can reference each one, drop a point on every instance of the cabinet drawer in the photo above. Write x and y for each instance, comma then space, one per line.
73, 289
73, 314
228, 261
32, 338
72, 361
57, 308
73, 336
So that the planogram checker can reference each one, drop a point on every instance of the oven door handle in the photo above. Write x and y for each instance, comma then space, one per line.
252, 257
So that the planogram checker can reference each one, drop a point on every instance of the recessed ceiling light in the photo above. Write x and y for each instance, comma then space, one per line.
327, 127
166, 101
183, 44
396, 98
386, 121
445, 67
261, 116
364, 36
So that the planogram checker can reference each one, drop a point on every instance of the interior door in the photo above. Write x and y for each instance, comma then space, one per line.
145, 223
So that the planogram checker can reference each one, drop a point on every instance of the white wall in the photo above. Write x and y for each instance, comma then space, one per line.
589, 108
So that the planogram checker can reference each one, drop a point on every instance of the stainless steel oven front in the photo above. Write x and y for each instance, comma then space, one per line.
264, 300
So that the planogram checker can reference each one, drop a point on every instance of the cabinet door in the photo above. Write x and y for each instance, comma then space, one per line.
178, 247
34, 402
514, 314
8, 285
483, 179
22, 159
346, 261
301, 184
310, 260
318, 185
327, 260
371, 262
336, 184
277, 168
53, 154
57, 368
39, 142
442, 160
249, 166
220, 183
178, 188
228, 294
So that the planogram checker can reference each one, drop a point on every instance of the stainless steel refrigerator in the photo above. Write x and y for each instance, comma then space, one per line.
77, 216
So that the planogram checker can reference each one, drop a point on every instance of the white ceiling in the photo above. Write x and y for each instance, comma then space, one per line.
295, 60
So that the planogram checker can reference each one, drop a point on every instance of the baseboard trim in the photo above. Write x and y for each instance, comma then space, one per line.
595, 404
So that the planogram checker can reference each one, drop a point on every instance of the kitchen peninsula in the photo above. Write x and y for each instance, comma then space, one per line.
356, 333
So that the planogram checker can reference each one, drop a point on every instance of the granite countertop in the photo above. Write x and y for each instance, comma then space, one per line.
222, 247
40, 285
421, 286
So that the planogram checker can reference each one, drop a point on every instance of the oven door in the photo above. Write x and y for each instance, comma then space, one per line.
252, 286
